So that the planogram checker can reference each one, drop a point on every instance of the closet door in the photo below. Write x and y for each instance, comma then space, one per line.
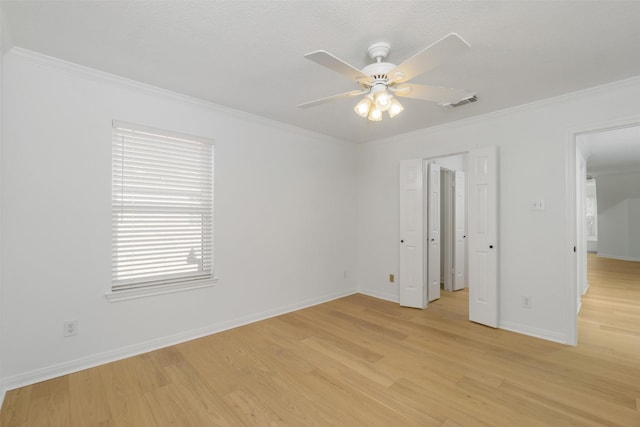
459, 231
412, 289
483, 250
433, 234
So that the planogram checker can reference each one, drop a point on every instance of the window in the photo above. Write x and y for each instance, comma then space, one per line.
591, 204
162, 211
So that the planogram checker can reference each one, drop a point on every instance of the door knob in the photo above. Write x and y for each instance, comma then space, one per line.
401, 241
490, 246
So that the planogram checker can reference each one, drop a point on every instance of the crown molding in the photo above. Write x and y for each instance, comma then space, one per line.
102, 76
570, 96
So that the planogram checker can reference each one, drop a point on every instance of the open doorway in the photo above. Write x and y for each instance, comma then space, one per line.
608, 220
451, 271
420, 233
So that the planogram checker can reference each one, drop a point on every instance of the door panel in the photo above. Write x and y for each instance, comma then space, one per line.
433, 235
483, 260
460, 231
412, 290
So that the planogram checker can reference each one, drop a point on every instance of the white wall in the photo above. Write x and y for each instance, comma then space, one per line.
613, 188
620, 231
619, 216
284, 219
614, 230
533, 152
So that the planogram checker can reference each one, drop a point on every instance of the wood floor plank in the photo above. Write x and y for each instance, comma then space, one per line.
15, 407
127, 405
87, 399
361, 361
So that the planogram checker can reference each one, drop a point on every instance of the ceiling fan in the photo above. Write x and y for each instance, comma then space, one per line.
380, 82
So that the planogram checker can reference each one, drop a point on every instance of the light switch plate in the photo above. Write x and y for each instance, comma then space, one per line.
537, 205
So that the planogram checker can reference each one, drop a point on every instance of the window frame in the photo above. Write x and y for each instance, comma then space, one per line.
167, 285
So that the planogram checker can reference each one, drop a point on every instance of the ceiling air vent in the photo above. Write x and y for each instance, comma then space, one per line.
463, 101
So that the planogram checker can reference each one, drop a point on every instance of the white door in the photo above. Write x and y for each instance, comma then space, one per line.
459, 231
447, 241
483, 250
433, 233
412, 289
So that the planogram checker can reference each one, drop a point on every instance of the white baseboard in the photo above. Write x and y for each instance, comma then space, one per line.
53, 371
380, 295
509, 326
622, 258
544, 334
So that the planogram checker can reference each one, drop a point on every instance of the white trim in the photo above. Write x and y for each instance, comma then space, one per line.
571, 279
102, 76
87, 362
631, 81
571, 241
4, 47
121, 125
380, 295
124, 295
3, 392
622, 258
544, 334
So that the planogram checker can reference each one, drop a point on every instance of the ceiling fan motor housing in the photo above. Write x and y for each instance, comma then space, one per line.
378, 72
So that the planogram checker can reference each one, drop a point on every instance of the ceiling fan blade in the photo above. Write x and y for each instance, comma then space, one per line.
430, 93
332, 98
429, 58
326, 59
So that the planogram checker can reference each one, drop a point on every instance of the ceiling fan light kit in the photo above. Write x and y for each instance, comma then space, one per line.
395, 108
363, 107
375, 115
380, 81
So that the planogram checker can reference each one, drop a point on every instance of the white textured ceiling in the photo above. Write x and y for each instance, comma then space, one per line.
248, 55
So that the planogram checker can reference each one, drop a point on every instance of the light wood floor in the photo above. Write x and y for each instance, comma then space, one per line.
358, 361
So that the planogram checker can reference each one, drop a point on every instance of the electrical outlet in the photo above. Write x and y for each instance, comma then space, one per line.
70, 328
527, 302
346, 274
392, 278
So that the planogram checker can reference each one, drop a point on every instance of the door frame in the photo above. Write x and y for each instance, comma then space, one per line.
571, 217
494, 149
432, 238
447, 242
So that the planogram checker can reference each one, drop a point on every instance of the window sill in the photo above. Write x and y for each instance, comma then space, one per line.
158, 290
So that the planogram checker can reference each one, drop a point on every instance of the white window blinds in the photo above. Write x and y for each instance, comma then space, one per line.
162, 208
